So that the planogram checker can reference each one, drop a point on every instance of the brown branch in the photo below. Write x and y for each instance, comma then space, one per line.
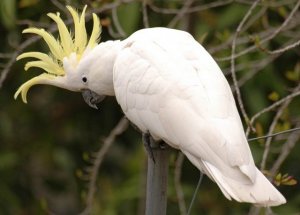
271, 107
285, 151
107, 142
14, 55
268, 3
181, 13
60, 6
177, 184
271, 130
192, 9
284, 49
145, 14
264, 40
235, 82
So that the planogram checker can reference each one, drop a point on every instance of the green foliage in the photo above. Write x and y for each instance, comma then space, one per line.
8, 13
284, 180
47, 146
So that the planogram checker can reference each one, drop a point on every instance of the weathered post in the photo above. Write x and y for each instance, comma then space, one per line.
157, 180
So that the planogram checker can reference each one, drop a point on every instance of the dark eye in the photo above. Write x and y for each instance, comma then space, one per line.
84, 79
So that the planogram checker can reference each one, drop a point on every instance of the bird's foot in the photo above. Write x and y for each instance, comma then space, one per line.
149, 143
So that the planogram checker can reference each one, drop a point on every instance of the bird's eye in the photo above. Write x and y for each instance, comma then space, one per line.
84, 79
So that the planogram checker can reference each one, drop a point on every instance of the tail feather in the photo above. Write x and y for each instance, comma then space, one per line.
260, 193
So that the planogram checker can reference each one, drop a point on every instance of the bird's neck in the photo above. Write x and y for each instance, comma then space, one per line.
101, 68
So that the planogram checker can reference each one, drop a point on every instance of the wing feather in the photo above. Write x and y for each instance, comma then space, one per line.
167, 84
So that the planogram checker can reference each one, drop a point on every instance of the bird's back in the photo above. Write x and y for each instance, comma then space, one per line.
167, 84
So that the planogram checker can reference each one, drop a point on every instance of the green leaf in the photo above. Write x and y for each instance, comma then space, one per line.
129, 16
27, 3
259, 131
284, 180
292, 75
8, 160
282, 12
290, 182
274, 96
8, 13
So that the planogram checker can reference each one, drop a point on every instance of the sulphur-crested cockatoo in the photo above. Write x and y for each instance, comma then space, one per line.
169, 86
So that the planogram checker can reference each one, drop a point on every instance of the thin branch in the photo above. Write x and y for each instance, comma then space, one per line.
53, 28
284, 49
192, 9
268, 3
14, 55
195, 193
253, 68
246, 39
235, 83
264, 40
181, 13
108, 141
274, 134
177, 184
285, 151
5, 55
110, 6
60, 6
145, 15
271, 129
271, 107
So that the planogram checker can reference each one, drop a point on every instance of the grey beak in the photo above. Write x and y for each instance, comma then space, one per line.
92, 98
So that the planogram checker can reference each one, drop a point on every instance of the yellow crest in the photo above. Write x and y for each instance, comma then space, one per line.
60, 48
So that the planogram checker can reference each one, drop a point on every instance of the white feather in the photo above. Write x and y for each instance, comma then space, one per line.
168, 84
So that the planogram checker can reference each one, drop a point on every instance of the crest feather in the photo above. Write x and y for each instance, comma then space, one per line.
53, 44
65, 46
65, 36
95, 36
80, 31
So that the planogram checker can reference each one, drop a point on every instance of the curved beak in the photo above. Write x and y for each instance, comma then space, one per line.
92, 98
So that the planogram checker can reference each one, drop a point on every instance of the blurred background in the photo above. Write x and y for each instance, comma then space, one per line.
48, 147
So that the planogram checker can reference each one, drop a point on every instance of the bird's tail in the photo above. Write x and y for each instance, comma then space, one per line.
260, 193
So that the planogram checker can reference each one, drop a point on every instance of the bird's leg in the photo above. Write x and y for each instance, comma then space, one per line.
149, 143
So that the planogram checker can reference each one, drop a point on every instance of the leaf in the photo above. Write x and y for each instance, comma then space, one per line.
105, 22
129, 16
284, 180
274, 96
86, 156
8, 160
282, 12
8, 13
277, 179
202, 38
224, 35
259, 131
292, 75
290, 182
27, 3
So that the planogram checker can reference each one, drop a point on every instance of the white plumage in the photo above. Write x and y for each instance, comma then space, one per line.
168, 85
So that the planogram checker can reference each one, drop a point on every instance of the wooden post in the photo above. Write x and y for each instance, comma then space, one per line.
157, 180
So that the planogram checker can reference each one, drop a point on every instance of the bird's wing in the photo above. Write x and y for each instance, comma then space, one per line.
171, 87
168, 85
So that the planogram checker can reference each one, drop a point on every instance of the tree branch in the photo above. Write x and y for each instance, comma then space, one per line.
107, 142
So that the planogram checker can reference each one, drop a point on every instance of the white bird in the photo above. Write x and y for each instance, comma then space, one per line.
169, 86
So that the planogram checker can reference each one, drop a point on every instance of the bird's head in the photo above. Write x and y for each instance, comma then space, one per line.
66, 65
